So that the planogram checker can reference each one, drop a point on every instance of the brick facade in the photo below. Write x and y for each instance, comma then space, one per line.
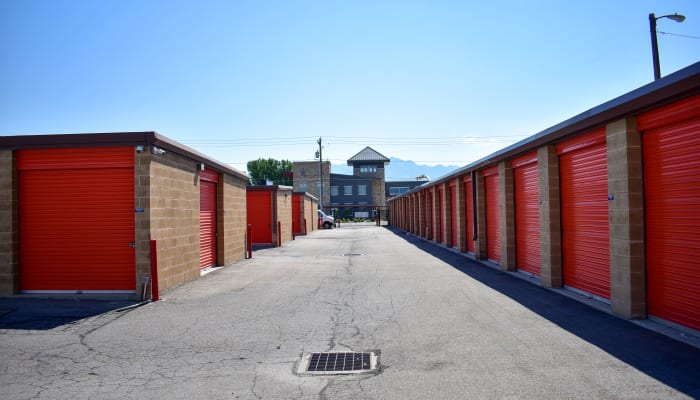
662, 105
166, 206
9, 252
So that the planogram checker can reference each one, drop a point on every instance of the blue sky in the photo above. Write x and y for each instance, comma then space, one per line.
430, 81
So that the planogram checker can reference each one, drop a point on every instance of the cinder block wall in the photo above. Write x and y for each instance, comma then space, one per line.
506, 203
308, 213
232, 220
174, 218
312, 221
9, 241
284, 213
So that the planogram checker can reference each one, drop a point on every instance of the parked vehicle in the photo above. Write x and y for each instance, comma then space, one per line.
326, 220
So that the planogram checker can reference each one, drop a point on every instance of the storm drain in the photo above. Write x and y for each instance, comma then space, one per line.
338, 363
351, 254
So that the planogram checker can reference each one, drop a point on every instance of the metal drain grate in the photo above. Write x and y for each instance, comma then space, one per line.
338, 363
351, 254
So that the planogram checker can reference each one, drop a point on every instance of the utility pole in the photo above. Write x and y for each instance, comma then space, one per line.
320, 173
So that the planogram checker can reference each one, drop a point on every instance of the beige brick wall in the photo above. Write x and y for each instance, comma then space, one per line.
307, 172
461, 194
309, 211
378, 192
626, 219
284, 213
232, 220
506, 204
9, 239
550, 217
174, 218
447, 207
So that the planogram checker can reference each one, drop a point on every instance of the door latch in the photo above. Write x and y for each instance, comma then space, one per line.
132, 244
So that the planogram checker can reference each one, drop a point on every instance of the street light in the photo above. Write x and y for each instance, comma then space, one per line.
654, 44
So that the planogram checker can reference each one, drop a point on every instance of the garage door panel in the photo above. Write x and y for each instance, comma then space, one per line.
584, 214
469, 214
76, 223
672, 219
493, 228
259, 208
207, 224
527, 226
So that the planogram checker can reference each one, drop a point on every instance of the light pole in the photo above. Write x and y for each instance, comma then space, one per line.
654, 44
320, 173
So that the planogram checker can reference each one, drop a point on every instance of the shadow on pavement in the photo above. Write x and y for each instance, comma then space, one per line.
30, 313
674, 363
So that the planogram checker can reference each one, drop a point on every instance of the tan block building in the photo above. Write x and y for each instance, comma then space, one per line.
91, 213
604, 205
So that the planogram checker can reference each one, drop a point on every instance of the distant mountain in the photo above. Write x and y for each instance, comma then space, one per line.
403, 170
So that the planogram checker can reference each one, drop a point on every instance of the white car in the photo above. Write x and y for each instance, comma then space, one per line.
326, 220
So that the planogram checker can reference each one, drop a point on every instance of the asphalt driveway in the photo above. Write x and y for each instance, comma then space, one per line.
444, 327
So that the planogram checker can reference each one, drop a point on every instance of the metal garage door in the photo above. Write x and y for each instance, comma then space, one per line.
259, 208
469, 213
207, 218
429, 211
493, 227
527, 213
453, 214
296, 215
439, 238
671, 144
76, 219
584, 213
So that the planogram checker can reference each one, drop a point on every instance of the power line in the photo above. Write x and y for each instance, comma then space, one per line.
676, 34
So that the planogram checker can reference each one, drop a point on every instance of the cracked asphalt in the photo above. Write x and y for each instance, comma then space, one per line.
445, 326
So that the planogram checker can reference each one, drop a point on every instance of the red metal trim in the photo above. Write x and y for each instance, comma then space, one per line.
249, 237
154, 271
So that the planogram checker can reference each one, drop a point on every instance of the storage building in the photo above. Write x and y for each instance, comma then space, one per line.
82, 212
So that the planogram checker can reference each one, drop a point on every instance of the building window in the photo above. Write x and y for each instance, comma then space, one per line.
368, 169
397, 190
302, 187
347, 190
362, 190
334, 190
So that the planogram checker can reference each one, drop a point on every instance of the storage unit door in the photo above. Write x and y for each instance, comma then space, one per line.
439, 238
259, 208
527, 214
296, 215
453, 216
76, 219
429, 211
584, 213
469, 213
207, 219
672, 220
493, 227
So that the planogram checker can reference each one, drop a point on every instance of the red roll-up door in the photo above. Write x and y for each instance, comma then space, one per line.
453, 215
296, 215
469, 213
439, 238
259, 208
584, 213
527, 213
207, 218
429, 212
76, 219
671, 144
493, 227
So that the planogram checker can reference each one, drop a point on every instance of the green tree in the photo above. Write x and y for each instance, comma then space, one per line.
277, 171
